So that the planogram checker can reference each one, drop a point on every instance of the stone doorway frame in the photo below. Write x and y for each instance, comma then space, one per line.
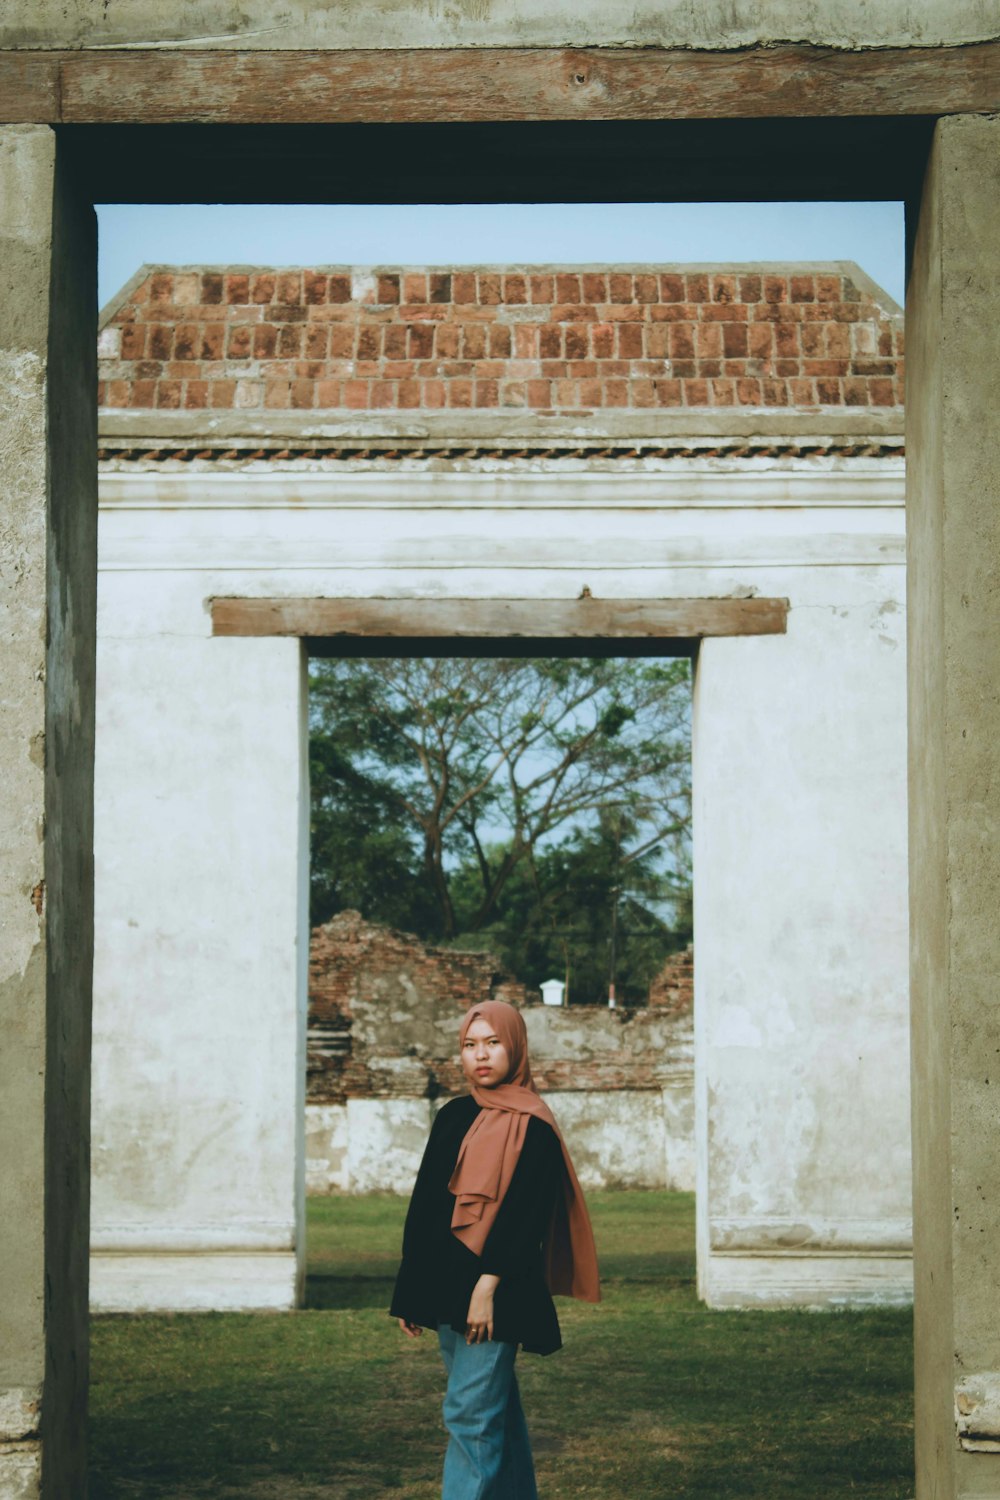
63, 111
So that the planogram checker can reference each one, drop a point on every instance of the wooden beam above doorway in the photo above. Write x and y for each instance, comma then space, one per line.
147, 85
498, 619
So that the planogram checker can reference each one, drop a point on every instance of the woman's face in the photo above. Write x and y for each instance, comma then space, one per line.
484, 1056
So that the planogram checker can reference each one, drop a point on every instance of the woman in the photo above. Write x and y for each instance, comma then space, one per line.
496, 1224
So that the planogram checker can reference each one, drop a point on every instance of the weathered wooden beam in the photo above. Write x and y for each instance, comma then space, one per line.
221, 86
29, 88
497, 619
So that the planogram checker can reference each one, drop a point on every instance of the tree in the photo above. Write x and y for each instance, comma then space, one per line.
425, 766
561, 907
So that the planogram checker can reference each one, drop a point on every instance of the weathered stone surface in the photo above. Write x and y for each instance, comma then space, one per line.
625, 1138
977, 1412
47, 644
199, 1045
385, 1141
801, 992
953, 505
21, 1470
20, 1413
616, 1139
681, 1168
326, 1148
714, 24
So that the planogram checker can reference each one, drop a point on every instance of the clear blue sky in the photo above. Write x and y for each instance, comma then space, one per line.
443, 234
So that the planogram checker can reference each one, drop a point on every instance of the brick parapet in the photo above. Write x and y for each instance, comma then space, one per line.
546, 339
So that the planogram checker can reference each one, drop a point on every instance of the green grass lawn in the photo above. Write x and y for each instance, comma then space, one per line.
652, 1397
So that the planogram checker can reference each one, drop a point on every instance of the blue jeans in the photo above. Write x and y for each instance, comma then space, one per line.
489, 1454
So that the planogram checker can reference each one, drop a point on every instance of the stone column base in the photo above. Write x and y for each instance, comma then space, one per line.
192, 1281
819, 1280
21, 1470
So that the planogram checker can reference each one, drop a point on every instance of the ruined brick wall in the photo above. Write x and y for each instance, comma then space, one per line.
382, 1007
496, 338
384, 1012
673, 987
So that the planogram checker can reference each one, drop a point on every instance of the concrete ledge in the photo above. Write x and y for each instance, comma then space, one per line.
692, 485
843, 25
276, 429
240, 1237
181, 1282
810, 1234
818, 1281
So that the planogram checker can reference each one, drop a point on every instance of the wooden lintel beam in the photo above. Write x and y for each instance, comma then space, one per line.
498, 619
144, 86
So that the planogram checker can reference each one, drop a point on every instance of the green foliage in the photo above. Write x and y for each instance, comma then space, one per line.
533, 804
363, 855
557, 915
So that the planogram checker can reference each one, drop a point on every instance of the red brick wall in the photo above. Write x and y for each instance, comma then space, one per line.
501, 338
384, 1011
378, 1002
673, 987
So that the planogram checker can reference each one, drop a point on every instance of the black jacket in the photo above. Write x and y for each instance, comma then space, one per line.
438, 1272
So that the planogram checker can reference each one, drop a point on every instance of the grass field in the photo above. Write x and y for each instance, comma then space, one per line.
652, 1397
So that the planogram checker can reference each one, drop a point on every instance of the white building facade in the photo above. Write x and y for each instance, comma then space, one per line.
800, 847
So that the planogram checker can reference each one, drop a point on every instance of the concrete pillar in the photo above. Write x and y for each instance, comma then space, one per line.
953, 505
48, 559
200, 970
802, 1105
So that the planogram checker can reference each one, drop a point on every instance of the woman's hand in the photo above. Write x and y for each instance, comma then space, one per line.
412, 1330
480, 1321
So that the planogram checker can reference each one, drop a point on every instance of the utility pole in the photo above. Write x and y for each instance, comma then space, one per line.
616, 889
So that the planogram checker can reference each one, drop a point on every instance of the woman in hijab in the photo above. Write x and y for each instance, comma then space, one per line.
496, 1224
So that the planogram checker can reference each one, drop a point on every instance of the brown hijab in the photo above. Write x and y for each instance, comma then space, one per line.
489, 1153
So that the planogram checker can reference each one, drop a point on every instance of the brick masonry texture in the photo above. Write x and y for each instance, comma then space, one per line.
500, 338
673, 987
384, 1012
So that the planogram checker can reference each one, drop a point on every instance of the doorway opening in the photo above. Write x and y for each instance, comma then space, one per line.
667, 548
498, 827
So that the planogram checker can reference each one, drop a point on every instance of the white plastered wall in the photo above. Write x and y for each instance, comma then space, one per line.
198, 1050
801, 995
628, 1138
800, 916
